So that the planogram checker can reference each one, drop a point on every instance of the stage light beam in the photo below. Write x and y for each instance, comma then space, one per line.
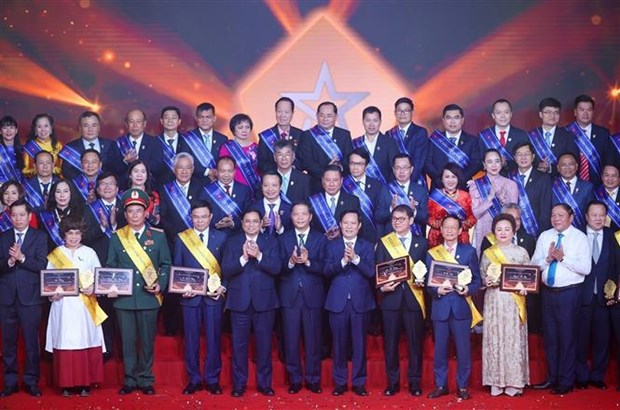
286, 12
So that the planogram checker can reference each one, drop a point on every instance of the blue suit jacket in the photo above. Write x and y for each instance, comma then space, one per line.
241, 195
538, 190
418, 145
453, 302
345, 202
299, 186
583, 193
600, 140
600, 272
310, 277
354, 280
150, 153
183, 257
563, 142
166, 174
34, 183
266, 161
385, 151
284, 212
515, 137
436, 160
218, 140
105, 145
255, 282
171, 221
381, 200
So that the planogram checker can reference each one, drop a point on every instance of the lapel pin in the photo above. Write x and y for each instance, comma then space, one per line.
292, 183
378, 148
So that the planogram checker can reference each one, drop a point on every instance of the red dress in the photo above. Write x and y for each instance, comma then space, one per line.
436, 213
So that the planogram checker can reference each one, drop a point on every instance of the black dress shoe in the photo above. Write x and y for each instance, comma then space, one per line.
148, 390
415, 391
65, 392
8, 390
339, 390
192, 388
84, 391
463, 394
561, 390
598, 384
214, 388
238, 391
33, 390
360, 391
294, 388
314, 387
581, 385
438, 392
391, 390
266, 391
126, 389
543, 386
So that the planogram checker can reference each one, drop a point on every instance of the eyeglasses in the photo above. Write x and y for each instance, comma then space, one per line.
399, 219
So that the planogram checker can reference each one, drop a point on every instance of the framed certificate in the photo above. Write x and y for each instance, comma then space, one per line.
396, 270
59, 282
183, 280
520, 277
444, 274
117, 280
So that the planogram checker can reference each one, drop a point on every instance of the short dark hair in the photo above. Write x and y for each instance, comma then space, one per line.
549, 102
570, 154
597, 202
20, 202
453, 168
488, 151
504, 217
371, 110
327, 103
88, 114
201, 204
360, 152
226, 158
282, 143
273, 174
564, 206
501, 101
90, 151
524, 144
452, 107
170, 108
205, 106
404, 100
252, 210
450, 216
8, 121
403, 208
43, 152
350, 211
584, 98
399, 156
238, 119
104, 175
71, 222
333, 167
285, 99
305, 203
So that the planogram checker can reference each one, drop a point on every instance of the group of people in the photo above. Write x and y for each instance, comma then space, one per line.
290, 230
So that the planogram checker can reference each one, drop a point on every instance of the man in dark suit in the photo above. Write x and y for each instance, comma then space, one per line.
411, 139
349, 262
37, 187
250, 264
503, 136
145, 251
402, 304
380, 147
276, 211
451, 313
23, 254
324, 144
407, 191
295, 184
594, 319
455, 145
90, 127
581, 192
549, 140
200, 247
85, 182
171, 142
136, 144
283, 130
609, 194
204, 143
302, 295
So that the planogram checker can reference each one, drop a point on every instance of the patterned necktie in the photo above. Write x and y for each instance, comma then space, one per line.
272, 219
46, 188
91, 145
227, 188
452, 140
569, 187
502, 138
134, 143
522, 178
170, 142
19, 238
402, 133
554, 265
548, 137
283, 135
301, 240
584, 165
332, 206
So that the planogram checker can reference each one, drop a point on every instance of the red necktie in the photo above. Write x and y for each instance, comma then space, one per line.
283, 135
584, 166
502, 138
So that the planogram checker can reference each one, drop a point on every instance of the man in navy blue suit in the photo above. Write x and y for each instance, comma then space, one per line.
455, 145
609, 193
295, 184
37, 188
410, 138
451, 314
594, 319
170, 141
276, 211
302, 295
380, 147
568, 188
350, 263
402, 304
201, 247
23, 254
407, 191
250, 265
283, 130
85, 182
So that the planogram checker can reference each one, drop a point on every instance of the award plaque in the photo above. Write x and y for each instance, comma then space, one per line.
494, 271
610, 290
419, 272
150, 276
108, 280
446, 275
396, 270
59, 282
516, 278
184, 280
214, 282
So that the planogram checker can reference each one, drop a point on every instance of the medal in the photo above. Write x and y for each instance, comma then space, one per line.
150, 276
213, 283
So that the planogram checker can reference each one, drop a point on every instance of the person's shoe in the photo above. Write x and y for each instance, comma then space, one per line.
266, 391
360, 391
8, 390
598, 384
339, 390
438, 392
463, 394
214, 388
294, 388
581, 385
33, 390
543, 386
314, 387
126, 390
561, 390
84, 391
192, 388
148, 390
415, 391
391, 390
238, 391
65, 392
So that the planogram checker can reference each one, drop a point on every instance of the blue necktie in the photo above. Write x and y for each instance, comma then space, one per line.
452, 140
554, 265
332, 206
19, 238
548, 137
272, 219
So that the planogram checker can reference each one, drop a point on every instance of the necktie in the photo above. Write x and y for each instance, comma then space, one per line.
548, 137
569, 187
109, 207
137, 236
452, 140
284, 186
402, 133
134, 143
91, 145
170, 142
184, 189
91, 186
332, 206
360, 184
451, 249
403, 240
283, 135
514, 239
46, 188
19, 238
584, 167
596, 250
227, 188
301, 240
554, 265
349, 244
272, 219
207, 141
502, 138
522, 178
202, 237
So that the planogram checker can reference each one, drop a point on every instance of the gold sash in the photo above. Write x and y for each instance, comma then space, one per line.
60, 261
441, 254
491, 238
617, 235
496, 255
138, 256
396, 250
199, 251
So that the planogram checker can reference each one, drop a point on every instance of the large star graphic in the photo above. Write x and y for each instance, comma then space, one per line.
325, 82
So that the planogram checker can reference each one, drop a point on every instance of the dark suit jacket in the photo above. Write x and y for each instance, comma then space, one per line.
345, 202
563, 142
150, 153
393, 300
241, 195
265, 156
354, 280
106, 145
538, 190
515, 137
601, 271
218, 140
183, 257
436, 160
583, 193
95, 237
385, 151
453, 302
600, 140
418, 146
255, 282
34, 183
310, 277
171, 221
298, 187
613, 154
284, 211
613, 225
166, 174
381, 200
22, 281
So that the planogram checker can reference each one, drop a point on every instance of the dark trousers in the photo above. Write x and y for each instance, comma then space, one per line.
210, 316
594, 330
137, 329
349, 327
534, 313
460, 329
13, 317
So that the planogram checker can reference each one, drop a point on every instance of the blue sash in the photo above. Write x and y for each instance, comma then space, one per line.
222, 200
484, 187
400, 140
269, 138
244, 163
351, 187
321, 211
32, 148
124, 144
491, 142
97, 205
613, 210
527, 213
180, 203
372, 169
71, 156
615, 139
453, 152
540, 145
81, 182
5, 221
403, 199
168, 152
327, 144
561, 192
8, 168
451, 206
198, 147
285, 198
586, 147
33, 196
51, 226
